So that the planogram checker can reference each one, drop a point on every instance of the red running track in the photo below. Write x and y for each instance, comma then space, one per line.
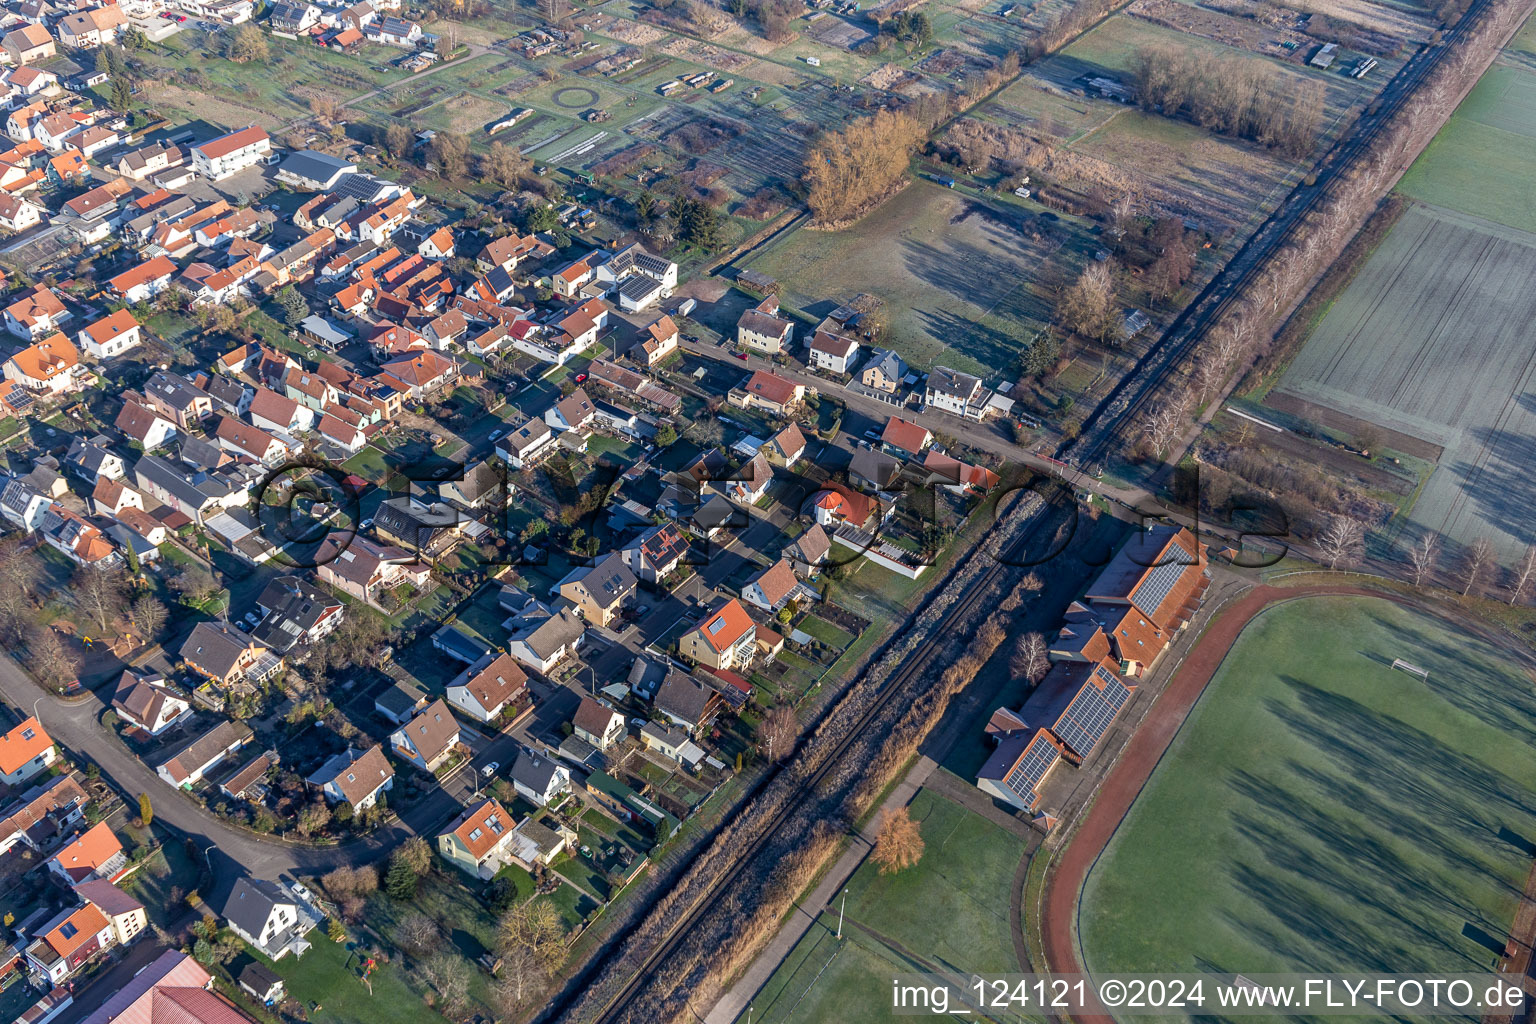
1146, 747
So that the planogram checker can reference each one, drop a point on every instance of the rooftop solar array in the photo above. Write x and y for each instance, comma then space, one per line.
1152, 591
1087, 718
1025, 776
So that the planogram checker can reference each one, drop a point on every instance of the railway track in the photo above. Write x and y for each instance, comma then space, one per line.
1132, 396
911, 669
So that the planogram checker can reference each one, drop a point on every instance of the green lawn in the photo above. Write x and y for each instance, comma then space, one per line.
1321, 811
825, 631
953, 906
329, 974
949, 912
1480, 162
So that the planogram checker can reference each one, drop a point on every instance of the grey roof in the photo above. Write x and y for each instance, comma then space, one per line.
683, 697
888, 363
534, 771
293, 608
216, 646
307, 163
400, 700
323, 329
364, 188
196, 489
638, 286
458, 644
875, 467
258, 980
559, 630
609, 581
250, 903
174, 390
952, 382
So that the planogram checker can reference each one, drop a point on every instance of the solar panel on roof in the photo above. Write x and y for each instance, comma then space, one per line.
1038, 759
1152, 591
1088, 716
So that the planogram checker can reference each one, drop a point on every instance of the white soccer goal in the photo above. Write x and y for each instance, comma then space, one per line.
1411, 669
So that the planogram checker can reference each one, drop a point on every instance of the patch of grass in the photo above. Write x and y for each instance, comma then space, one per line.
1319, 807
825, 631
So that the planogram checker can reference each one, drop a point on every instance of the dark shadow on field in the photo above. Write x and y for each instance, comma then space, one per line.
1501, 488
1466, 684
1324, 884
1064, 67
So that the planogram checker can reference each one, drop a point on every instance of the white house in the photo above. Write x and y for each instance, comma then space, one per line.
230, 154
538, 778
24, 751
488, 687
111, 335
355, 777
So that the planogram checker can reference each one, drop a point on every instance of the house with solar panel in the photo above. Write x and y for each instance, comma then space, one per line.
1063, 720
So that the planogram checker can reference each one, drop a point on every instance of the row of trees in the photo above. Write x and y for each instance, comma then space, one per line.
1341, 544
1232, 95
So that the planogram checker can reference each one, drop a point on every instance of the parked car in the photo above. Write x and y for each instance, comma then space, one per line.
740, 355
496, 434
581, 378
489, 770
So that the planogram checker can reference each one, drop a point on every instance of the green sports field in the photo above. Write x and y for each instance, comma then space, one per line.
1322, 811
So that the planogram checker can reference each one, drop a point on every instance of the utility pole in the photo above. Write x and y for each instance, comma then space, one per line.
841, 907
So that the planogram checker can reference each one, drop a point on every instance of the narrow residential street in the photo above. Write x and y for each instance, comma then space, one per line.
233, 851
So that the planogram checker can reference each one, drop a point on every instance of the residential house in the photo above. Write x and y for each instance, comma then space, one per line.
539, 779
35, 313
657, 342
725, 638
294, 613
111, 336
910, 438
86, 30
146, 702
956, 393
656, 553
178, 398
28, 44
68, 940
25, 750
750, 482
767, 390
143, 424
597, 723
226, 655
541, 645
808, 552
18, 215
832, 351
786, 447
273, 411
479, 841
174, 986
428, 739
601, 591
422, 375
91, 460
526, 445
400, 703
265, 916
143, 282
760, 329
883, 372
355, 777
366, 570
251, 441
686, 701
573, 412
126, 914
489, 687
772, 588
191, 763
231, 153
94, 854
54, 807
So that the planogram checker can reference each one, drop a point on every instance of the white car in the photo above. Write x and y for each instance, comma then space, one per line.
489, 771
300, 890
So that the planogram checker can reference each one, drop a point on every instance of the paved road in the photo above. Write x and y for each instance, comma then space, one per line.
236, 851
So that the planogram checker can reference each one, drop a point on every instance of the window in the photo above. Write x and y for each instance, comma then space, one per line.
475, 835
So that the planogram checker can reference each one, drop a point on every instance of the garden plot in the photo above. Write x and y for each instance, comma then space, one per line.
1432, 339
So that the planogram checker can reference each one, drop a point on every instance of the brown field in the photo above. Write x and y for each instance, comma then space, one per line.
1377, 16
464, 113
709, 56
1240, 33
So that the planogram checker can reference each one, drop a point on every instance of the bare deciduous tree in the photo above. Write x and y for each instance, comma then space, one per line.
418, 934
148, 617
1475, 564
1029, 659
898, 843
1163, 427
1341, 541
1524, 574
1422, 558
48, 658
101, 594
448, 973
530, 946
